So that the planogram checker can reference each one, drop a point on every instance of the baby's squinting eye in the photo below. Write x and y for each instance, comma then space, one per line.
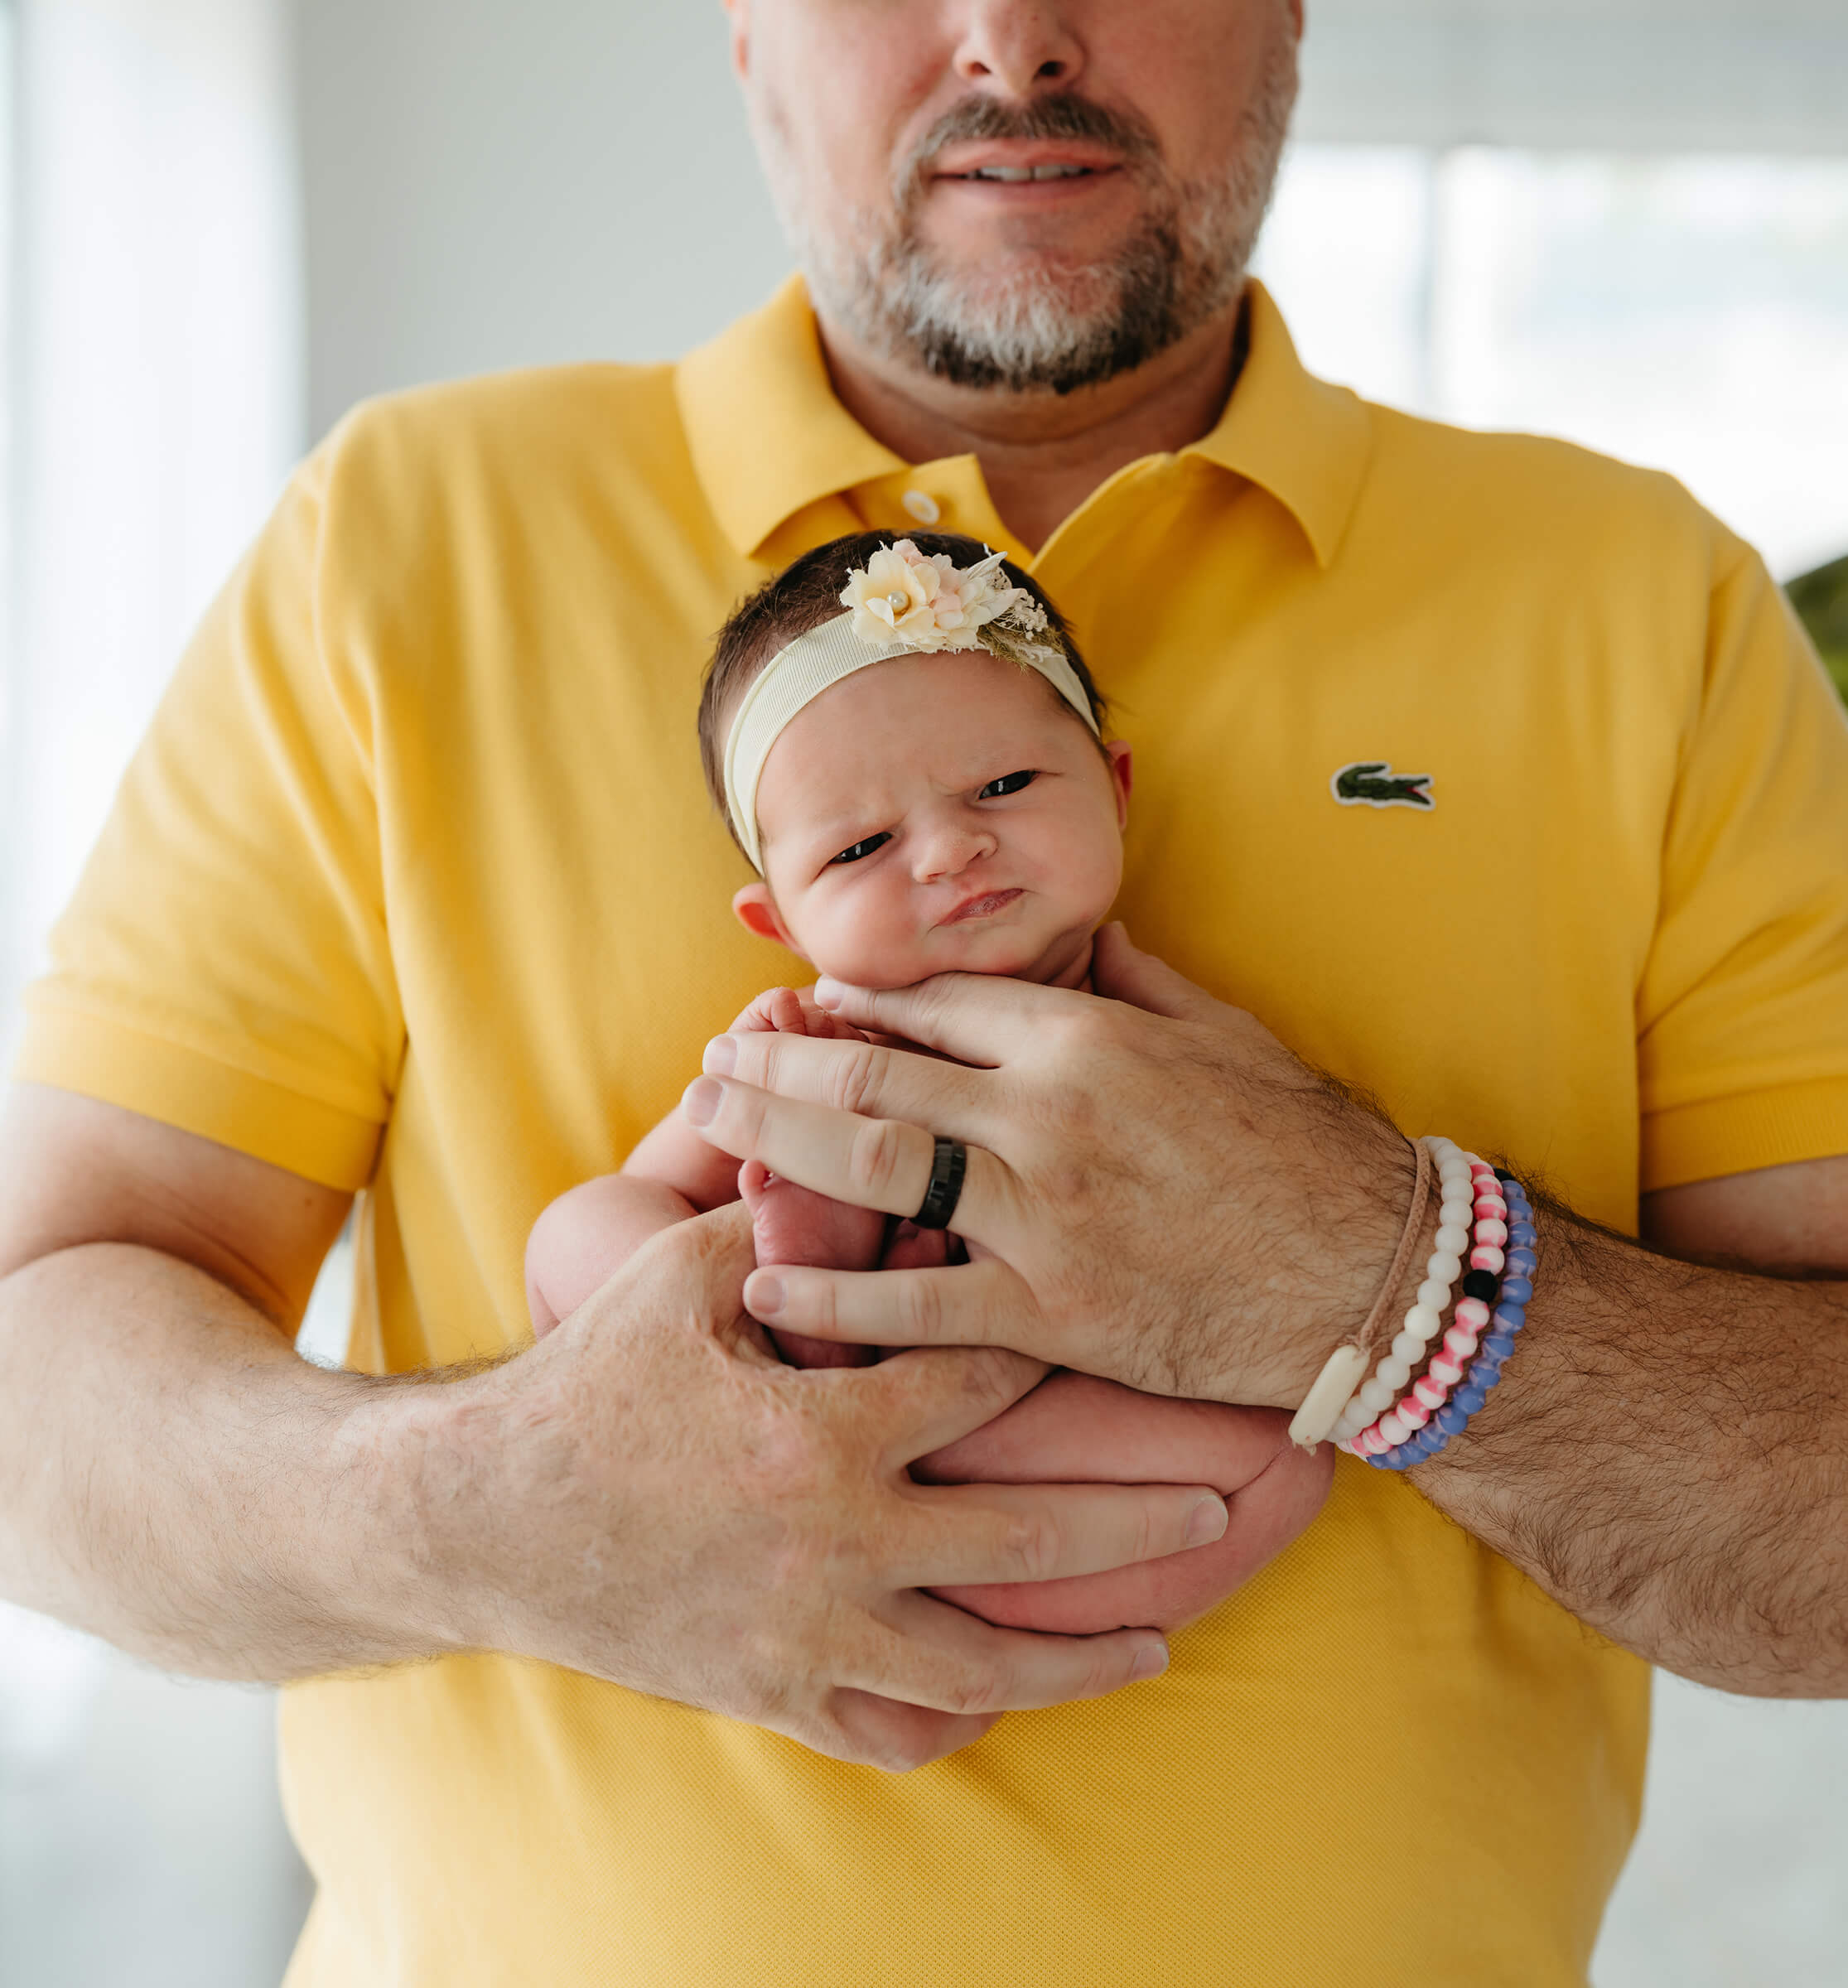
861, 849
1009, 783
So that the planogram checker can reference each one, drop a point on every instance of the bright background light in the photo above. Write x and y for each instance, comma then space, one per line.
1685, 312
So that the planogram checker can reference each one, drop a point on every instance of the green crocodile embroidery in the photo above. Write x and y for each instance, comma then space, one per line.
1374, 783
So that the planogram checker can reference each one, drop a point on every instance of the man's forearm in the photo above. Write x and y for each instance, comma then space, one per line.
1668, 1456
175, 1478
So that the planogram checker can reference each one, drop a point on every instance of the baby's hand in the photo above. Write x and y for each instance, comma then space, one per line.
792, 1012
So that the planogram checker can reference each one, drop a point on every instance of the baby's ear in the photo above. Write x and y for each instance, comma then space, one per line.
756, 911
1121, 771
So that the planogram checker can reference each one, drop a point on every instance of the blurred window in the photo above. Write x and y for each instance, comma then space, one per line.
1686, 312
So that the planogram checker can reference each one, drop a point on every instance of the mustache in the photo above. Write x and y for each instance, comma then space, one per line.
1067, 115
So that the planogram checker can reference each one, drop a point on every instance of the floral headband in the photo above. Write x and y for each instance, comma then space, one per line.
902, 602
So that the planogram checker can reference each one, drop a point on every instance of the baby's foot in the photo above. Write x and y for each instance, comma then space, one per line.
789, 1224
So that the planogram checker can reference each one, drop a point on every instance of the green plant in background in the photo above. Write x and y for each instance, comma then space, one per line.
1820, 598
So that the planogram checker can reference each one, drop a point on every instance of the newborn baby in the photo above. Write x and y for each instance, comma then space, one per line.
923, 785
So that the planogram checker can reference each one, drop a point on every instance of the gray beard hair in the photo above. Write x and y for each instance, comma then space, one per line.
1048, 330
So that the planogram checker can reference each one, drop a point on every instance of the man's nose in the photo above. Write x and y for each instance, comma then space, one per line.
947, 851
1016, 45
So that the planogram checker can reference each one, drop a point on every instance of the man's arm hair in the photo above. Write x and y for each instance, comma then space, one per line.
1667, 1453
173, 1477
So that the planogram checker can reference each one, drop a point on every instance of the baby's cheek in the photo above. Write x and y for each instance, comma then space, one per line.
866, 945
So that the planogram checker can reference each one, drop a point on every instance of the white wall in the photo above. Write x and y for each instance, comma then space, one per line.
1607, 75
488, 184
157, 386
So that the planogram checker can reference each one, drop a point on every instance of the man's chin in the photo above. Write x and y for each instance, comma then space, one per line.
999, 270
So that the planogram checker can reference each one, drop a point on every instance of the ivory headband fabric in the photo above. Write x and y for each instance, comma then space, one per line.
796, 676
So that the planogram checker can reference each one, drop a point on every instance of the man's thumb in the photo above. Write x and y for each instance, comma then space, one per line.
1122, 973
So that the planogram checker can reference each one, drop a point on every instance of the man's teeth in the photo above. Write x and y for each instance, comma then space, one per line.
1026, 172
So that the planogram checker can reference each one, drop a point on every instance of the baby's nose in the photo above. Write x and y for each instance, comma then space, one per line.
949, 851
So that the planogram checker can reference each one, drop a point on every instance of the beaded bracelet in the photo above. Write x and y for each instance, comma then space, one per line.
1424, 1318
1335, 1387
1487, 1212
1485, 1371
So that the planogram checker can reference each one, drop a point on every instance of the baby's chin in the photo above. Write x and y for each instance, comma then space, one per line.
1015, 955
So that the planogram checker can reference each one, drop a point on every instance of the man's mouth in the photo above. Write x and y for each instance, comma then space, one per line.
1015, 174
984, 906
1025, 162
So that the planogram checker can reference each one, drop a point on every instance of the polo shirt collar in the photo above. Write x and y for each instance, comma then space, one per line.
1306, 442
769, 437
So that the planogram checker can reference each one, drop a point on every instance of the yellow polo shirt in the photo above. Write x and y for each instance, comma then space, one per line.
414, 888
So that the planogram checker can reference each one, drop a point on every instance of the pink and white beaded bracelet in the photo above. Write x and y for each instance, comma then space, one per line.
1424, 1319
1473, 1192
1362, 1414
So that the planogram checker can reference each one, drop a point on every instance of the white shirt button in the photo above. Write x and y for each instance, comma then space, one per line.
922, 506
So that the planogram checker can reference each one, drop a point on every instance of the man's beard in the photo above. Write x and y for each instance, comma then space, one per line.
1053, 327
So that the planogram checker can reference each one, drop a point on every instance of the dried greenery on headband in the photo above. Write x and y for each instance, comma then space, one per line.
808, 592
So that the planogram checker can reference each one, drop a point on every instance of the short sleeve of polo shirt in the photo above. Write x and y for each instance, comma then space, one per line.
1742, 1010
224, 966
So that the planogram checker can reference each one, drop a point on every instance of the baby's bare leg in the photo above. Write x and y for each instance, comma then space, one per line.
790, 1224
586, 1236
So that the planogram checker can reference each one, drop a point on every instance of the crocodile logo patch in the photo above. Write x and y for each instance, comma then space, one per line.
1373, 783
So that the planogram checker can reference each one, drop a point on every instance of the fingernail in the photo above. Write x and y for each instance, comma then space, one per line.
1208, 1522
720, 1059
700, 1100
1152, 1659
764, 1296
829, 993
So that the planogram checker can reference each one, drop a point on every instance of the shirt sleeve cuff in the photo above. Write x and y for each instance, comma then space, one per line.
1725, 1135
180, 1087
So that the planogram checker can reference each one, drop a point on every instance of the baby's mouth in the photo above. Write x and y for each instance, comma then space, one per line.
984, 906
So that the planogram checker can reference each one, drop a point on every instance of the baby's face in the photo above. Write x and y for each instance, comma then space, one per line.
939, 814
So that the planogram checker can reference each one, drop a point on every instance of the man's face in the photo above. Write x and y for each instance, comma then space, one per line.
894, 134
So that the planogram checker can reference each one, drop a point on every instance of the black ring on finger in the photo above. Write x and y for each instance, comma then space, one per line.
946, 1169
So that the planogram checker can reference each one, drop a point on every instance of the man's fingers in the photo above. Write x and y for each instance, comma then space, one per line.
935, 1655
969, 1534
1119, 972
977, 1018
878, 1163
984, 1303
871, 1731
914, 1398
864, 1078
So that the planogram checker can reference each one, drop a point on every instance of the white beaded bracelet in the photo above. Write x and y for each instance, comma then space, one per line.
1423, 1320
1345, 1368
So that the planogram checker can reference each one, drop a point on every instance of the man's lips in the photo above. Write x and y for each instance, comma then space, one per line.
984, 906
1022, 161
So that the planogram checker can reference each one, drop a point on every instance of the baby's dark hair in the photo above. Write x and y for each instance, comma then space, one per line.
807, 593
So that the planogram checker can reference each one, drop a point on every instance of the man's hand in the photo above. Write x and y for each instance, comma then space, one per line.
1177, 1202
1157, 1193
649, 1496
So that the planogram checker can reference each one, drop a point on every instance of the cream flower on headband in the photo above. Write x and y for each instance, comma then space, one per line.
924, 600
